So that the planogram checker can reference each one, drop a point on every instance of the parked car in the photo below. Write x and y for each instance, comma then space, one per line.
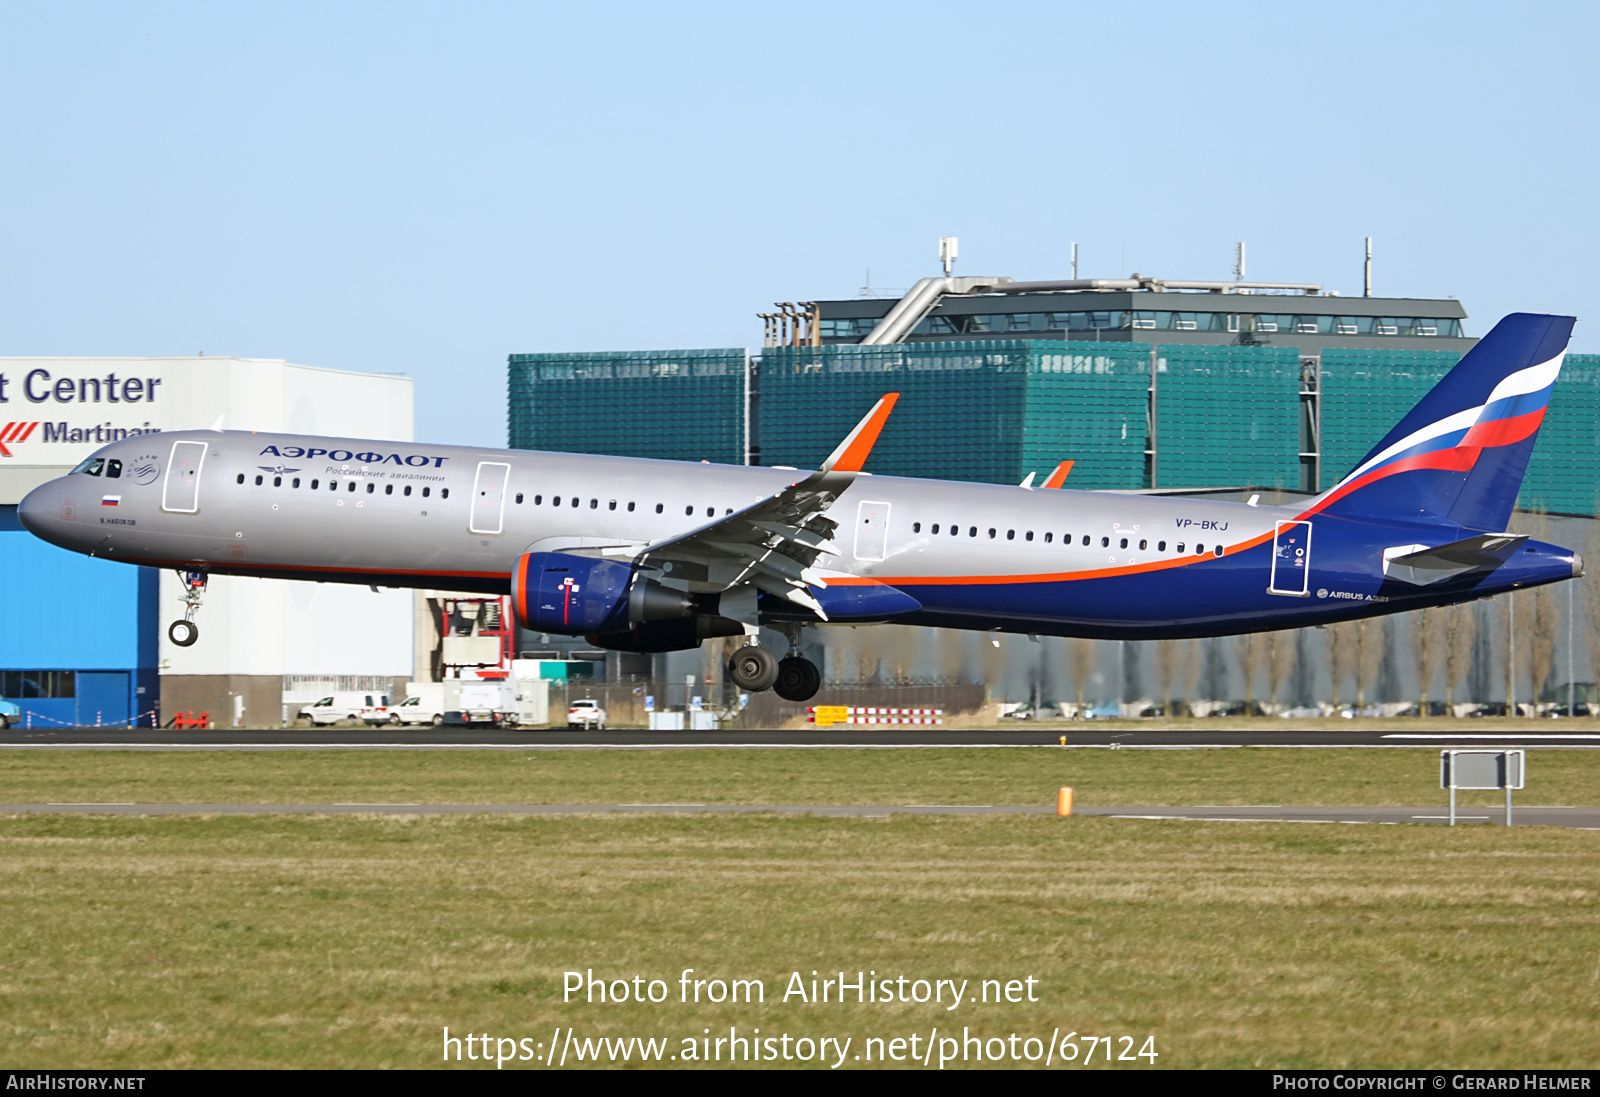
9, 713
587, 714
413, 711
366, 708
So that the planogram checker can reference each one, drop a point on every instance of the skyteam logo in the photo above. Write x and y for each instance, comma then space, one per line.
15, 433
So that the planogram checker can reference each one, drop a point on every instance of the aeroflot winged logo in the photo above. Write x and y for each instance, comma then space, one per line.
15, 433
415, 460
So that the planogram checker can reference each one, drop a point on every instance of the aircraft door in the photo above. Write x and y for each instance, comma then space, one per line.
180, 494
489, 498
1291, 559
872, 530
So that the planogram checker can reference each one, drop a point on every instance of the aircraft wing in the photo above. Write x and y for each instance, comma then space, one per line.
773, 544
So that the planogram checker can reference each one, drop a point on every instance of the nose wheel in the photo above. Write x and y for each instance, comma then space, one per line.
186, 632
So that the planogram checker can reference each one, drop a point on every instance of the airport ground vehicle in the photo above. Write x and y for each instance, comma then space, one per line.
586, 714
651, 556
424, 704
9, 713
366, 708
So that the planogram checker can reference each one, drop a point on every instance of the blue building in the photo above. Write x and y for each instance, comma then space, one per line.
79, 646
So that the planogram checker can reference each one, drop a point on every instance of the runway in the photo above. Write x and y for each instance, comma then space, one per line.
1585, 818
753, 739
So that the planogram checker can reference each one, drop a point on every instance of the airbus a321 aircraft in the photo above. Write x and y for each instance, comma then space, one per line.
649, 556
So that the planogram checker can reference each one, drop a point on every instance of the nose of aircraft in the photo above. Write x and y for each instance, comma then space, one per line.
39, 505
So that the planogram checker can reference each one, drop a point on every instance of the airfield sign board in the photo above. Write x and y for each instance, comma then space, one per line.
1481, 769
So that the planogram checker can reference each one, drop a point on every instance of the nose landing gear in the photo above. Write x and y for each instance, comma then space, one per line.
186, 632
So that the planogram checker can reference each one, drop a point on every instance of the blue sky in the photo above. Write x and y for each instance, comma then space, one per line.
426, 188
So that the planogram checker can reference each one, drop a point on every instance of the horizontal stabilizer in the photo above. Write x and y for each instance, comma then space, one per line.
1422, 566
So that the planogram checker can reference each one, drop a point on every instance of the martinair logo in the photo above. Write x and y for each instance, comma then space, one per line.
15, 433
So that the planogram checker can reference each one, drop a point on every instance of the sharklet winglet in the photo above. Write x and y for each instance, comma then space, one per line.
853, 452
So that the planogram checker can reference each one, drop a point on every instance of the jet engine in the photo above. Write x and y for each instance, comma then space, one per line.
580, 595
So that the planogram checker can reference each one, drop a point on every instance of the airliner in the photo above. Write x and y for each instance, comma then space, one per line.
650, 556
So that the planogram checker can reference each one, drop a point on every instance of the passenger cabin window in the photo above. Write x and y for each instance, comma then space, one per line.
1124, 543
1029, 536
1161, 546
1180, 546
609, 506
407, 490
630, 506
1105, 542
258, 481
658, 508
973, 532
519, 496
371, 487
555, 500
1217, 551
277, 481
352, 485
295, 482
314, 484
916, 527
241, 478
991, 533
425, 492
1011, 535
1143, 544
1086, 540
1047, 537
688, 512
388, 489
444, 493
594, 504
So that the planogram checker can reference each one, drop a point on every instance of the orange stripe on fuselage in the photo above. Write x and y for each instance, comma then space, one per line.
1042, 577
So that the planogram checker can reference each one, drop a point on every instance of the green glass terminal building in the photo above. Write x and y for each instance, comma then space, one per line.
1144, 384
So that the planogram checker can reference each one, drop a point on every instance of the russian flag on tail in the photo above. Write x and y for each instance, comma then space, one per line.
1459, 457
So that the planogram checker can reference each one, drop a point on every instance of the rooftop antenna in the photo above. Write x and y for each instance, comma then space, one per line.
1366, 272
1074, 260
1238, 262
947, 253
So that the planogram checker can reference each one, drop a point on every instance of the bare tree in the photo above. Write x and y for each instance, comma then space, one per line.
1428, 640
1280, 661
1252, 650
1460, 625
1082, 667
1589, 588
1167, 661
1368, 656
1541, 639
1341, 652
1193, 658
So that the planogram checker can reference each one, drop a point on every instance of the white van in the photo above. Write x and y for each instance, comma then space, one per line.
424, 704
368, 708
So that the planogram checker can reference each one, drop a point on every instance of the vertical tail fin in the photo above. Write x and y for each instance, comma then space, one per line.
1459, 457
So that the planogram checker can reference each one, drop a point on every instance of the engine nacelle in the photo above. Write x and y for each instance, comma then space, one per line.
580, 595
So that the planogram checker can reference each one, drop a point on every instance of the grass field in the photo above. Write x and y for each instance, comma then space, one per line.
353, 941
1020, 775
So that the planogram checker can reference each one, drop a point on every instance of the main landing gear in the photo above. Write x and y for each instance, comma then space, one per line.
794, 678
186, 632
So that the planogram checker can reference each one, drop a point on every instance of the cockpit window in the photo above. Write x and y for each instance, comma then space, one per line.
113, 469
91, 467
